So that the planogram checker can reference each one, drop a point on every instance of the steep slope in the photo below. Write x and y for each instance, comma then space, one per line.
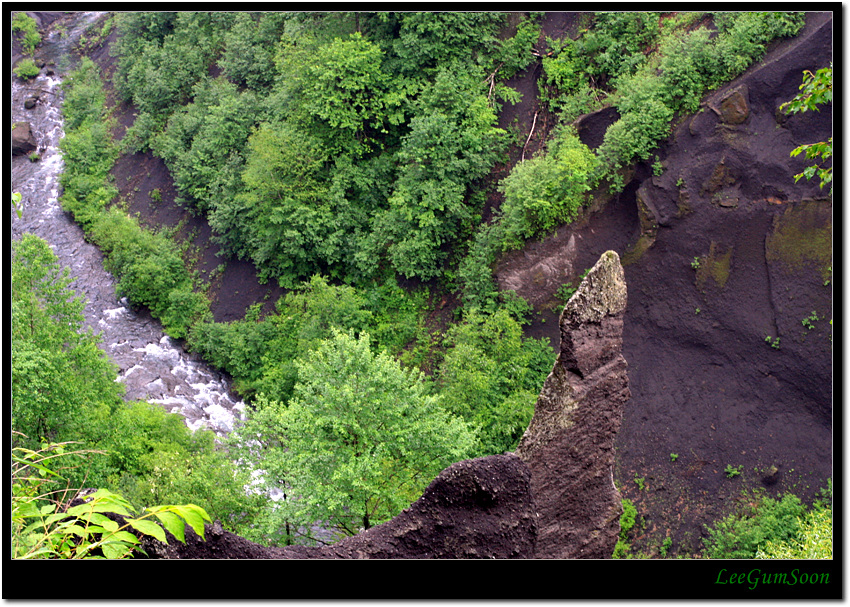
721, 251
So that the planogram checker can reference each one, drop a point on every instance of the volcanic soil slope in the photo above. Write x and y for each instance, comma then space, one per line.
722, 251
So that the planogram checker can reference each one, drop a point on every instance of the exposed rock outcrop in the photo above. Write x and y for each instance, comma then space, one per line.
23, 141
569, 444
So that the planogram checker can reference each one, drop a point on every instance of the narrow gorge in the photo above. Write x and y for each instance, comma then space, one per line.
694, 355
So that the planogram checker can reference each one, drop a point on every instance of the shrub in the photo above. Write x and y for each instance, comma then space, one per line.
26, 69
645, 120
491, 376
22, 22
627, 521
478, 289
546, 190
739, 535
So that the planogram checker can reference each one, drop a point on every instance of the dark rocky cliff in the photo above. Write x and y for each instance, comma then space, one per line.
722, 250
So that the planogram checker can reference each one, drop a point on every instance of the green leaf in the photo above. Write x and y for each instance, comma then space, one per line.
123, 536
173, 523
194, 515
76, 530
115, 550
148, 528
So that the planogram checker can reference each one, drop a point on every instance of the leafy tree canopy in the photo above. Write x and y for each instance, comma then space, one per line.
359, 440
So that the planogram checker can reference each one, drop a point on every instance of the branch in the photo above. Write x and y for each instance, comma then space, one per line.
533, 122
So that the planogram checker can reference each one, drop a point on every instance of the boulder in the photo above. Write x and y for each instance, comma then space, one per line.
30, 102
735, 107
23, 141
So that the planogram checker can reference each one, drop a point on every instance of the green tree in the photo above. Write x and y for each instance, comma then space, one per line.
359, 441
348, 90
547, 190
61, 381
816, 90
452, 142
491, 377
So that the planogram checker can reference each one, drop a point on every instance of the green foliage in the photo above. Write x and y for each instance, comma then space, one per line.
773, 341
739, 535
617, 42
451, 142
814, 537
809, 321
249, 45
359, 440
64, 388
282, 218
547, 190
689, 64
162, 55
150, 271
514, 53
26, 69
475, 275
30, 39
17, 205
744, 36
346, 88
644, 120
148, 266
45, 527
259, 354
491, 376
627, 521
566, 291
397, 123
427, 41
733, 471
201, 141
815, 90
61, 382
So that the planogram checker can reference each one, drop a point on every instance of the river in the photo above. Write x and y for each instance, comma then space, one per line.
152, 366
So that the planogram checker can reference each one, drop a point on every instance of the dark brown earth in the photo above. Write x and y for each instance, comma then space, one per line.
481, 508
707, 390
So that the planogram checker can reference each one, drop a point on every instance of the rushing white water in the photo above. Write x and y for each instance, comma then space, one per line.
151, 365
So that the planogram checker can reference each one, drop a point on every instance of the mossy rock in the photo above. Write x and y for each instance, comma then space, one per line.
716, 265
802, 237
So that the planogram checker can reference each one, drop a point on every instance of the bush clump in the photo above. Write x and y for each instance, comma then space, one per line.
546, 190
